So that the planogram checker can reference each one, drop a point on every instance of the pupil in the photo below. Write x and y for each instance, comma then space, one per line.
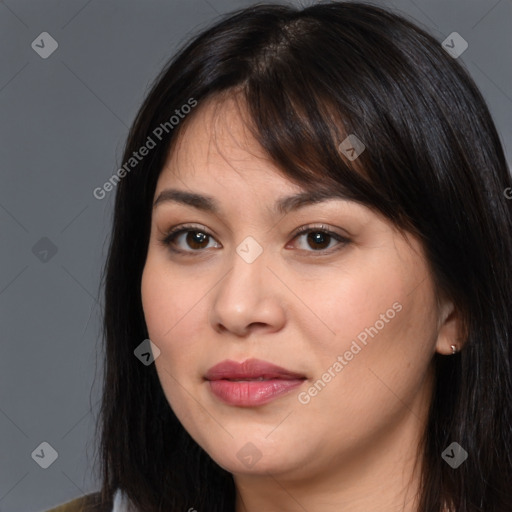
195, 238
318, 237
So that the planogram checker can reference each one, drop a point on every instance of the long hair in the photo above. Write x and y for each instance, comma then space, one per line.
433, 165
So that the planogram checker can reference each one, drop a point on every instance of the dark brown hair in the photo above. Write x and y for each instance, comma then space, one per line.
433, 165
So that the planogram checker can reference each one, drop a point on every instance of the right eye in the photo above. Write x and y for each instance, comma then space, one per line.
194, 236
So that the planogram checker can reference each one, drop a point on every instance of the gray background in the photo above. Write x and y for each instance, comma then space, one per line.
63, 123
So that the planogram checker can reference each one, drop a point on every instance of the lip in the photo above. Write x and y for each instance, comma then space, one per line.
224, 383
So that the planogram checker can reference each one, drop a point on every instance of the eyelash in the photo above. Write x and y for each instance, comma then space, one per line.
173, 233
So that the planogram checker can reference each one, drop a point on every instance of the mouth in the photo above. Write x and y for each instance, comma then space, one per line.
249, 370
251, 383
251, 380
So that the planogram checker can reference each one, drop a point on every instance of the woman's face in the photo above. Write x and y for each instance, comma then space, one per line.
352, 321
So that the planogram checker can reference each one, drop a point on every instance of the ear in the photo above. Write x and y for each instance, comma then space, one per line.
450, 329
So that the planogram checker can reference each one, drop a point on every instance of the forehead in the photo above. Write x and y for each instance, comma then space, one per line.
217, 146
216, 161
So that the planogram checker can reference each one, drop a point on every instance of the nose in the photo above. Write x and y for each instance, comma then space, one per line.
248, 298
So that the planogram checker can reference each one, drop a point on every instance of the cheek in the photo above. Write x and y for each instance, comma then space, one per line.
166, 300
171, 324
172, 307
350, 305
158, 305
366, 385
383, 325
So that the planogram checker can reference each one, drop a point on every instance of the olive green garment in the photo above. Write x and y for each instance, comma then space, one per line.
87, 503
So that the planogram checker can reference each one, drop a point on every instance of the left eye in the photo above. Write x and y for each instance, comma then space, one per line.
320, 238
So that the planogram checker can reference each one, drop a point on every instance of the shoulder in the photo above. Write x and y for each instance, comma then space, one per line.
88, 503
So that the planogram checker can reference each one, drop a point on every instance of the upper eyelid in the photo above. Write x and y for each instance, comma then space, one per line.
304, 228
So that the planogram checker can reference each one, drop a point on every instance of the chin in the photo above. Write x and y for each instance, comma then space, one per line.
252, 458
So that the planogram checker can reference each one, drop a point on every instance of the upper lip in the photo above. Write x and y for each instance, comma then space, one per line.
249, 369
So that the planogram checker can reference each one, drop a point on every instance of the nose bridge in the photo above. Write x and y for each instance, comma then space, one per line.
246, 295
247, 279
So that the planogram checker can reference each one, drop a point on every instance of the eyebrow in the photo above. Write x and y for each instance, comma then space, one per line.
283, 205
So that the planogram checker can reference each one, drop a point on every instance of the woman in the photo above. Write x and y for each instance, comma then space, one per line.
308, 289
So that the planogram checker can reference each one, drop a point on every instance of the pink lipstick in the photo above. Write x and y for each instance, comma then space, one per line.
251, 383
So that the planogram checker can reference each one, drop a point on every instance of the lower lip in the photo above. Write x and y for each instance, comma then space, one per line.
251, 393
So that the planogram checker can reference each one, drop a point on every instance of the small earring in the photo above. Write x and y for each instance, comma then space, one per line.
454, 349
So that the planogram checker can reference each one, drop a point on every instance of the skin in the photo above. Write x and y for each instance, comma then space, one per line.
353, 446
